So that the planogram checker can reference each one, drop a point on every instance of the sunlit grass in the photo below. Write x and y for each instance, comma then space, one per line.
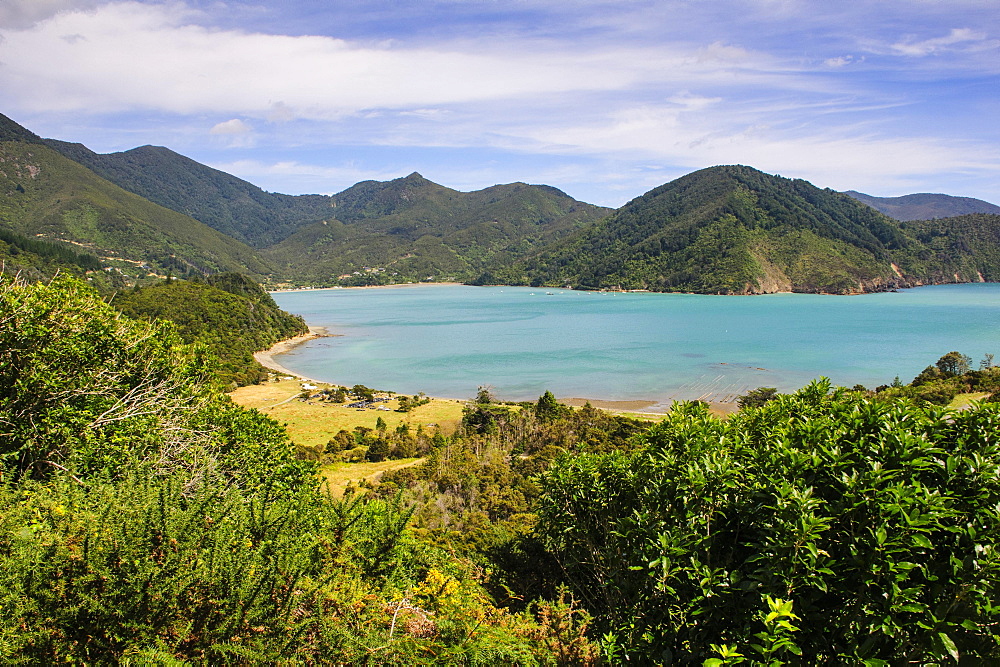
314, 423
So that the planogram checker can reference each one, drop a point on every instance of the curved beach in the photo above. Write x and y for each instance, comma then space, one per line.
266, 357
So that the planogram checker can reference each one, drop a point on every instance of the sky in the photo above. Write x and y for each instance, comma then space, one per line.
603, 99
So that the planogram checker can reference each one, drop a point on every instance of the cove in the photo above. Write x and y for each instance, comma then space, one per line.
448, 340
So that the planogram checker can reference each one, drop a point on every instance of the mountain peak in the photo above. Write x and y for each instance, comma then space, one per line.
11, 131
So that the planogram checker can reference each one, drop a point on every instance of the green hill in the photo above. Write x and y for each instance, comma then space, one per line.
228, 312
411, 228
730, 230
727, 229
223, 202
963, 248
925, 206
736, 230
48, 196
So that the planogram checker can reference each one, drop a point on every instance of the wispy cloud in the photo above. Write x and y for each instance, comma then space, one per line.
597, 90
958, 39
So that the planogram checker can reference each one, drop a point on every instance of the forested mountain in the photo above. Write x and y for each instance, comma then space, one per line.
925, 206
46, 195
227, 312
412, 228
727, 229
221, 201
736, 230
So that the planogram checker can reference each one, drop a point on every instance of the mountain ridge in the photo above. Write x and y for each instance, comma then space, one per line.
729, 229
736, 230
925, 205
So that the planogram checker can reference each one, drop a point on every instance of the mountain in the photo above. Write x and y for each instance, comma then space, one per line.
406, 229
925, 206
45, 195
964, 248
223, 202
412, 228
736, 230
727, 229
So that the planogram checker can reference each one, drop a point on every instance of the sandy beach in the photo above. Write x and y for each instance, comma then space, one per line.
393, 286
266, 357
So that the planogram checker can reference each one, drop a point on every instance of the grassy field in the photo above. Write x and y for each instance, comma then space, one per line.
338, 476
314, 423
965, 400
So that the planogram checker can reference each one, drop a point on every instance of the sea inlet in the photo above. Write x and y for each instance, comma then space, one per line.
448, 340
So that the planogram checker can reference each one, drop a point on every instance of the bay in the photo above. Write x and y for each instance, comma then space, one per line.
448, 340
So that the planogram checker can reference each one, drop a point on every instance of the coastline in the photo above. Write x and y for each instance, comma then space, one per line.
357, 287
636, 406
266, 357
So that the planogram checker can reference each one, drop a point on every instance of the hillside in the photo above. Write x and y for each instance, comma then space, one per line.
223, 202
925, 206
227, 312
46, 195
411, 228
736, 230
964, 248
729, 230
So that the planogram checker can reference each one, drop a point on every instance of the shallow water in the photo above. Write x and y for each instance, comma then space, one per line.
447, 340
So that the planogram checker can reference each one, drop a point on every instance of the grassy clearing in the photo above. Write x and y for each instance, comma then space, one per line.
963, 401
314, 423
338, 476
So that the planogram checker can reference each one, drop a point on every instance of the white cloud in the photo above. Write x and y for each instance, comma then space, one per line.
234, 126
964, 37
127, 56
19, 14
236, 133
839, 61
671, 82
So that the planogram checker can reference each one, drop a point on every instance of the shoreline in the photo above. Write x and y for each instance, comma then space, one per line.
340, 287
636, 406
266, 357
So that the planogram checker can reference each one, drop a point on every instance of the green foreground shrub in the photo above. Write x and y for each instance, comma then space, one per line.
146, 519
875, 524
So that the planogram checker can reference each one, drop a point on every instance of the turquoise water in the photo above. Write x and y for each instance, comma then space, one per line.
447, 340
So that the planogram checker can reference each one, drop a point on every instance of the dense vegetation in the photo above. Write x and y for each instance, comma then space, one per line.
736, 230
823, 527
411, 228
145, 518
227, 312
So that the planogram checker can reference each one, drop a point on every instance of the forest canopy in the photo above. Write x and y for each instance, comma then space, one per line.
146, 518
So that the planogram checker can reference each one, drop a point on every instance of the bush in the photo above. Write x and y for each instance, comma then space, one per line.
874, 522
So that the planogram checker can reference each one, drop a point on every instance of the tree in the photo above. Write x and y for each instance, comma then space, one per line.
362, 392
954, 363
378, 450
547, 408
755, 398
987, 362
485, 396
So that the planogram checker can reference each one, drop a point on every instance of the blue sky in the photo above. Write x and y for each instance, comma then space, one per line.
604, 99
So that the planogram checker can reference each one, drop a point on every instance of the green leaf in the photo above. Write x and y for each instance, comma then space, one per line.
949, 645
